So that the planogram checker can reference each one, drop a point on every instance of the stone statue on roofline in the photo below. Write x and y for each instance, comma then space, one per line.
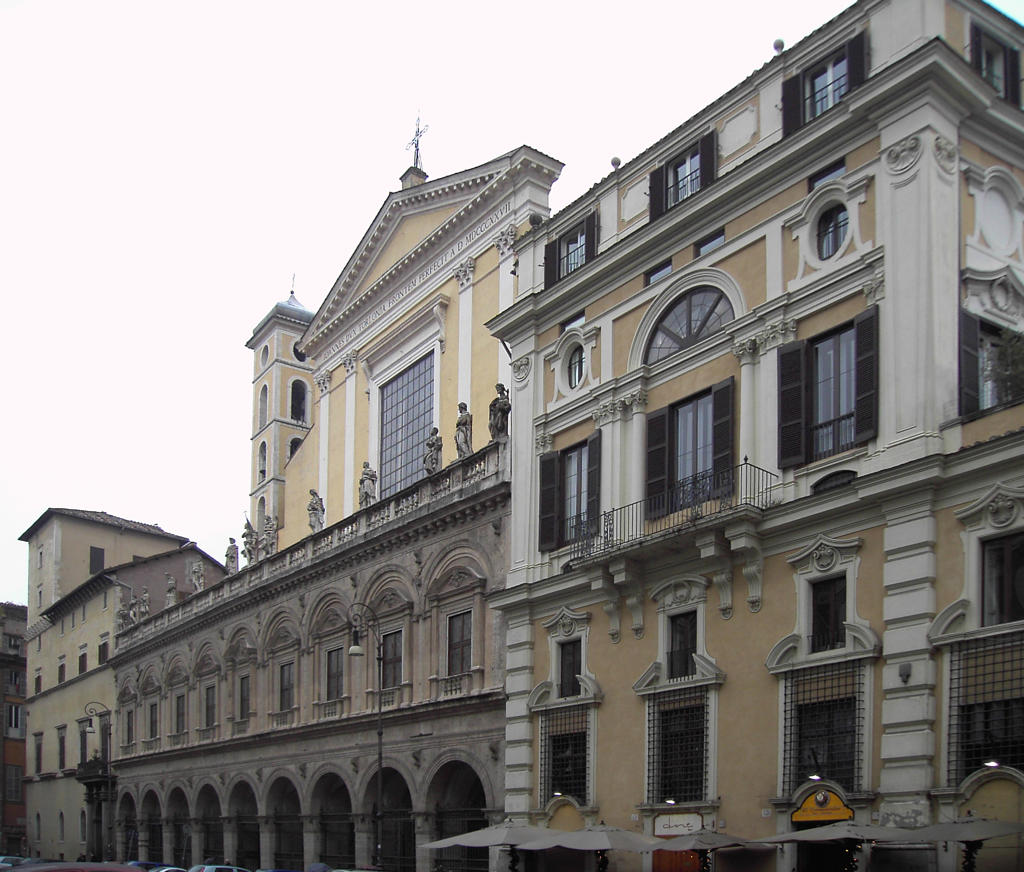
367, 486
231, 557
432, 456
463, 432
316, 510
249, 542
270, 535
143, 609
497, 421
171, 596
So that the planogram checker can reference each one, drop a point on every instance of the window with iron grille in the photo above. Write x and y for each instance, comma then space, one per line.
460, 643
986, 690
406, 413
828, 614
564, 760
677, 741
335, 672
570, 665
683, 644
14, 776
392, 665
824, 724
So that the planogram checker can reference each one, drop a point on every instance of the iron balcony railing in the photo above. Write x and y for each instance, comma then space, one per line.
832, 437
700, 496
686, 185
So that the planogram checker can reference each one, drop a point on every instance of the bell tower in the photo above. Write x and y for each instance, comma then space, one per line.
282, 404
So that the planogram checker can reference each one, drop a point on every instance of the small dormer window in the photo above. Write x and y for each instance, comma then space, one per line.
997, 62
571, 250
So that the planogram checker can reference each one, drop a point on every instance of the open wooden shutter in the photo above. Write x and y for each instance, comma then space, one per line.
708, 150
657, 463
792, 423
970, 376
549, 502
550, 264
722, 438
590, 237
857, 59
976, 47
1012, 63
865, 406
594, 483
792, 112
657, 193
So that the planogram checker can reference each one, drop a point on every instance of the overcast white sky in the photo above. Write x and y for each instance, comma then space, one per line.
165, 167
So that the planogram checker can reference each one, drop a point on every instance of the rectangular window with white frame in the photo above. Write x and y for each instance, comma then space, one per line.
565, 750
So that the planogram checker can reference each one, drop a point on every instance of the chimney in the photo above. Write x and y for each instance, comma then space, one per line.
412, 177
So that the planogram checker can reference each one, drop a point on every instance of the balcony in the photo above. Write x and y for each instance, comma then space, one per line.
447, 490
698, 501
282, 718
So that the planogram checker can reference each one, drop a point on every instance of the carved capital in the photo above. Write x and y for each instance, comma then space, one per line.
505, 240
749, 348
464, 273
543, 442
323, 381
746, 350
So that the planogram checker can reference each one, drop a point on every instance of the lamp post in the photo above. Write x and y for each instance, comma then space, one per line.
364, 619
96, 709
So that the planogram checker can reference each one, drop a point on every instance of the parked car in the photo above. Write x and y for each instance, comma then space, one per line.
12, 861
203, 868
148, 865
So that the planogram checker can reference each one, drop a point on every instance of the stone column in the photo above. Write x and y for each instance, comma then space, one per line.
365, 836
267, 842
230, 826
198, 841
746, 400
143, 836
463, 273
310, 840
423, 825
168, 851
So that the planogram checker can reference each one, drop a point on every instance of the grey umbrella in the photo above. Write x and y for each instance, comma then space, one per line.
508, 832
844, 830
972, 832
600, 838
701, 840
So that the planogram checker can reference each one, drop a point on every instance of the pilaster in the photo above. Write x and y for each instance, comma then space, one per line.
908, 673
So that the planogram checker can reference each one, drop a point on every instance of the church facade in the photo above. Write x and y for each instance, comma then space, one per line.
379, 517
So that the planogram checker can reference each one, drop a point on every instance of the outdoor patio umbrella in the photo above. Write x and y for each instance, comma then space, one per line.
600, 838
701, 840
972, 832
844, 830
508, 832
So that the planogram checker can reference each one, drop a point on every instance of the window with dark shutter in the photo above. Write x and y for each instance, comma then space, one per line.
594, 483
95, 560
550, 264
865, 414
792, 112
657, 463
792, 418
549, 501
823, 84
722, 438
970, 371
708, 149
657, 192
684, 175
997, 63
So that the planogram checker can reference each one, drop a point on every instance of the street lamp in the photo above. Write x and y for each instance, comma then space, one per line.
363, 619
92, 710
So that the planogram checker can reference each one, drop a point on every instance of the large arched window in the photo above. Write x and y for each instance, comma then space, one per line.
696, 314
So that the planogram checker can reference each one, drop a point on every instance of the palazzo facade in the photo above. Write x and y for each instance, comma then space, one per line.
767, 559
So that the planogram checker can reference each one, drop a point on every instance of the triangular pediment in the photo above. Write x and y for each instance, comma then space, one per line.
413, 244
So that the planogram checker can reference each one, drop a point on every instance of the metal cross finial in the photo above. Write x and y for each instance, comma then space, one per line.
415, 143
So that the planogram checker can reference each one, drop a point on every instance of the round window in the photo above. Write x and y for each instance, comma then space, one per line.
264, 355
299, 356
832, 226
575, 368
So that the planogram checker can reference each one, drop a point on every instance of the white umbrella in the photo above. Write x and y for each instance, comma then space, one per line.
847, 830
701, 840
972, 832
596, 838
508, 832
